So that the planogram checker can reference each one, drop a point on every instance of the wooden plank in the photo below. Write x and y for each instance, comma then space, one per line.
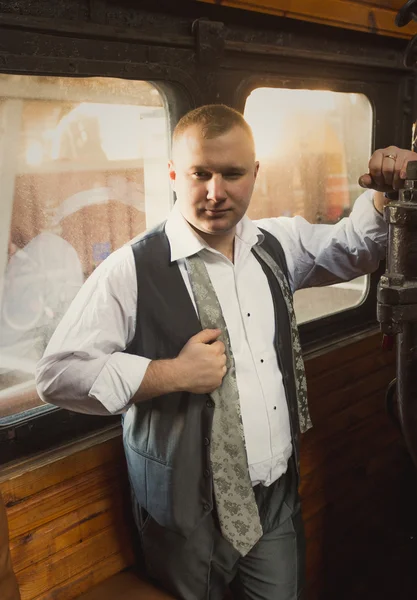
322, 407
351, 489
337, 361
44, 575
365, 433
84, 580
127, 586
349, 14
342, 352
340, 357
349, 375
364, 535
335, 493
70, 529
352, 409
41, 508
31, 476
324, 444
373, 494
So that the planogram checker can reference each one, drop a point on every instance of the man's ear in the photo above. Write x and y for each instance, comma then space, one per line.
256, 168
172, 174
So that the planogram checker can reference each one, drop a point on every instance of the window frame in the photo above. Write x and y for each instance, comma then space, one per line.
317, 333
47, 426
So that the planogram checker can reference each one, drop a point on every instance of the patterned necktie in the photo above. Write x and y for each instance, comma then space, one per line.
235, 500
236, 506
297, 353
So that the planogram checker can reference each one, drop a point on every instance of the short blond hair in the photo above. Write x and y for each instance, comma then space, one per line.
213, 120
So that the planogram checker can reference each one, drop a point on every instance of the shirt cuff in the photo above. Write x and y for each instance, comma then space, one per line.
119, 380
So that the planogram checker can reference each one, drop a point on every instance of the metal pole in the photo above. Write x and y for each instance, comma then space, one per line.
397, 301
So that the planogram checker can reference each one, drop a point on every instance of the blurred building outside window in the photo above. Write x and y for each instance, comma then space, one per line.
312, 146
80, 173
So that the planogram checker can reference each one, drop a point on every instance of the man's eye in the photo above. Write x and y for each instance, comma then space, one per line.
200, 175
233, 175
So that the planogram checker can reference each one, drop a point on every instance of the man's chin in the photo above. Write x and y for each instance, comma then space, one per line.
217, 228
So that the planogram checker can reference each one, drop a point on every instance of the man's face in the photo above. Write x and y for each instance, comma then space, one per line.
213, 178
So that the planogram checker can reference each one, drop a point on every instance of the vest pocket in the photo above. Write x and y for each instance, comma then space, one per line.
171, 500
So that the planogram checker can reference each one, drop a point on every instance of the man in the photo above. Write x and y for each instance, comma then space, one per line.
213, 404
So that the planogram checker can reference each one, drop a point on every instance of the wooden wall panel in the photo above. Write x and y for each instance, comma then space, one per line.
69, 514
67, 531
69, 518
54, 467
376, 16
358, 483
87, 579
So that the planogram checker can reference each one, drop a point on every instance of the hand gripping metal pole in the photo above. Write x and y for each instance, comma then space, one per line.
397, 301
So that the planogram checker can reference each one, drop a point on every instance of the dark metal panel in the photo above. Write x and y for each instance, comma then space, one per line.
88, 30
274, 39
75, 10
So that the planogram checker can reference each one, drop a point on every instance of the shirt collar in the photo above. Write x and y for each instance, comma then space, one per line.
185, 241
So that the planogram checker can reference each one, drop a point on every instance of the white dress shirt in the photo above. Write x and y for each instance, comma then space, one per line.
84, 368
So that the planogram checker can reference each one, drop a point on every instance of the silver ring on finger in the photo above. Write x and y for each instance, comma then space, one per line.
390, 156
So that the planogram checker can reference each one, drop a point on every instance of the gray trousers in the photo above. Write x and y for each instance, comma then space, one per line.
204, 565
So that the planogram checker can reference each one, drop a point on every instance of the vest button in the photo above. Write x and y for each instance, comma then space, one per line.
206, 442
206, 506
206, 472
210, 403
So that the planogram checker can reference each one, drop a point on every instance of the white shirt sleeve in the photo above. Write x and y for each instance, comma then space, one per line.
324, 254
84, 368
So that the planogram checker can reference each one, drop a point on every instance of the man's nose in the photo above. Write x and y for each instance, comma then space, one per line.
216, 189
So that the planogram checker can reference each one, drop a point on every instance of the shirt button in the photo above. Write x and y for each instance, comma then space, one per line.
206, 472
210, 403
262, 360
275, 408
206, 442
248, 314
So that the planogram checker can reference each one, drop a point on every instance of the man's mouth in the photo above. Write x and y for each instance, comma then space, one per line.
217, 211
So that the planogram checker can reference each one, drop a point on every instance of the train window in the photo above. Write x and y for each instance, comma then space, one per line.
312, 146
80, 175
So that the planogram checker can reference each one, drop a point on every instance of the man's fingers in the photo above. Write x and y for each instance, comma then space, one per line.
397, 180
385, 170
218, 347
366, 181
405, 162
207, 336
375, 168
388, 168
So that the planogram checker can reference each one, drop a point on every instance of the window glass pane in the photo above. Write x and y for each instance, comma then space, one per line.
80, 174
312, 146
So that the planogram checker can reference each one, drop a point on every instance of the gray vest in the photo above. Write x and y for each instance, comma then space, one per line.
167, 439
